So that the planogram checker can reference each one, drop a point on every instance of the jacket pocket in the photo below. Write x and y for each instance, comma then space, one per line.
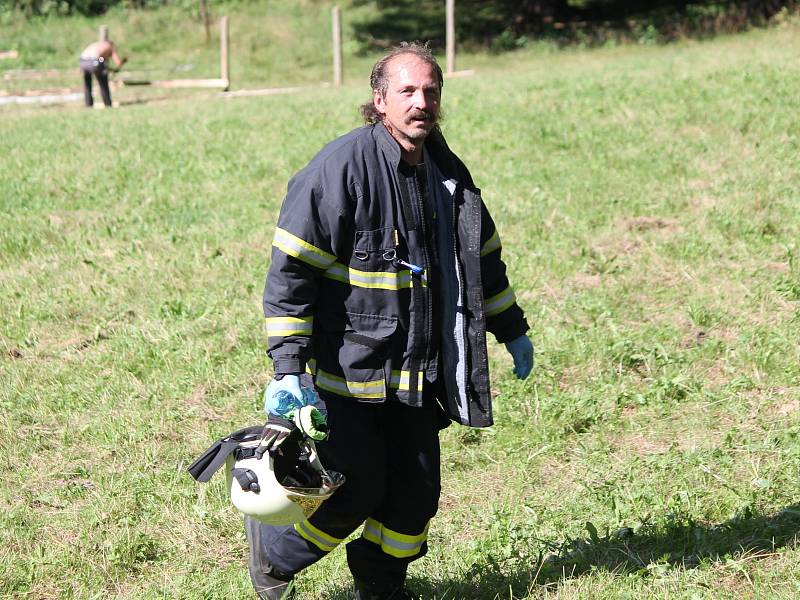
351, 355
374, 250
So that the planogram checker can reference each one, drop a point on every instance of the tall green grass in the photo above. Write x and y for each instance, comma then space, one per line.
646, 198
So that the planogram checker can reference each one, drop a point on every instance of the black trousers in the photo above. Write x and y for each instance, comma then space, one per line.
98, 69
389, 453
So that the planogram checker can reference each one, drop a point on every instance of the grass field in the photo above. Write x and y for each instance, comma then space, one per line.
272, 44
647, 199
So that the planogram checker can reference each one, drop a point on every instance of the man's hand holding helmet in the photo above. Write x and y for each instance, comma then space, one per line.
290, 410
281, 404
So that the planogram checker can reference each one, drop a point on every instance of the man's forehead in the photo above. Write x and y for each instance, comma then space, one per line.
409, 66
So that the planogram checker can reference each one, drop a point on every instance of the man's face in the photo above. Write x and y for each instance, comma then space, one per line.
410, 106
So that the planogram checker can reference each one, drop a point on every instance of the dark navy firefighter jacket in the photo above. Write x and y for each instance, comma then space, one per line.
342, 302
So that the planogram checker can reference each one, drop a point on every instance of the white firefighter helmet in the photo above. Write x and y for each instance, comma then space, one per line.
279, 487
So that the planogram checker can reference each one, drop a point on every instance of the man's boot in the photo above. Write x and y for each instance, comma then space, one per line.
366, 590
268, 583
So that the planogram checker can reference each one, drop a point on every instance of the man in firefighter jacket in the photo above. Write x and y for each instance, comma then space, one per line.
385, 277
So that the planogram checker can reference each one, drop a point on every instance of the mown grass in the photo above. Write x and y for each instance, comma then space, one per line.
647, 202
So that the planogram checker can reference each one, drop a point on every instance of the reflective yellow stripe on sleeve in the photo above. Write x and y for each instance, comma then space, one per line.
286, 326
500, 302
492, 244
393, 543
316, 536
302, 250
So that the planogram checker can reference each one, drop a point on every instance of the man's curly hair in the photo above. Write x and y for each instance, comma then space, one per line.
379, 80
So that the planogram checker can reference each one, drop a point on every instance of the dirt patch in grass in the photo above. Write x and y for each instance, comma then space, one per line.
772, 311
584, 281
477, 488
646, 223
577, 375
640, 445
694, 338
716, 374
733, 582
697, 336
527, 297
699, 184
196, 403
461, 495
45, 590
691, 428
785, 409
72, 218
607, 252
729, 335
618, 248
702, 204
778, 267
661, 442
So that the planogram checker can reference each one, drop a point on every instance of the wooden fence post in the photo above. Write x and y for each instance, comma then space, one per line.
337, 46
103, 33
223, 53
450, 35
206, 19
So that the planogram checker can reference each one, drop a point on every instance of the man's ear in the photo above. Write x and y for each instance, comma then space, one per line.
377, 100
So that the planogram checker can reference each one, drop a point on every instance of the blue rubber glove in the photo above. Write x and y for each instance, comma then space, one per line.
521, 350
281, 405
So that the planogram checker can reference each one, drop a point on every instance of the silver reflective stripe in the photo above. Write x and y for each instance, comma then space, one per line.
401, 380
316, 536
399, 548
351, 389
492, 244
500, 302
384, 280
395, 544
299, 248
372, 531
285, 326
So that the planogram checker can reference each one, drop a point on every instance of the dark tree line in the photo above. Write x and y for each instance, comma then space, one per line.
78, 7
502, 24
494, 23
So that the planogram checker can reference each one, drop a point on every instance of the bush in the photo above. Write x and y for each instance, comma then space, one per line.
31, 8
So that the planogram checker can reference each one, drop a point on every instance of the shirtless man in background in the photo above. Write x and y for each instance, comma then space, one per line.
94, 60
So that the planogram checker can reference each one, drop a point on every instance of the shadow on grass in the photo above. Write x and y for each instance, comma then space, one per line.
649, 551
678, 543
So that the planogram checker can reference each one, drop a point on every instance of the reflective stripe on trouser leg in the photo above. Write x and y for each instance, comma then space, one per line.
396, 531
292, 548
316, 536
394, 543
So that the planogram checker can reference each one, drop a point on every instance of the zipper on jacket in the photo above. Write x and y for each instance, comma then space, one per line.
427, 247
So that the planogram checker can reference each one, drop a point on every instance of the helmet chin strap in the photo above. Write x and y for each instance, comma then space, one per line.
247, 479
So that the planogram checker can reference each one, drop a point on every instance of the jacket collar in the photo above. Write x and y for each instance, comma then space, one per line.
435, 148
387, 143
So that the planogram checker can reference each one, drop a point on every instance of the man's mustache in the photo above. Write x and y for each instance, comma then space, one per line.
421, 114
